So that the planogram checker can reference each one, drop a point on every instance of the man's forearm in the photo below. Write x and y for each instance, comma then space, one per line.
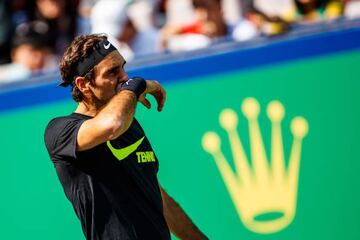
121, 109
179, 223
114, 119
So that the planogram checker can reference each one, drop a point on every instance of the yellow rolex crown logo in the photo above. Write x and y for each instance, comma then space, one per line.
264, 192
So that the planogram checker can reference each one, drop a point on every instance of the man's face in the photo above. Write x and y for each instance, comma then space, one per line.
109, 73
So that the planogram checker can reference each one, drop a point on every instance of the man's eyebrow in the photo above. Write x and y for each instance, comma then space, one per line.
110, 70
124, 63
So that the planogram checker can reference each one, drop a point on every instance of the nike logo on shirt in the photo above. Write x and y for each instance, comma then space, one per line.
122, 153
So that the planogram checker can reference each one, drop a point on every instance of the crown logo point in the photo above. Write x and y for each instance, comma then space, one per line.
275, 111
299, 127
211, 142
250, 108
263, 192
228, 119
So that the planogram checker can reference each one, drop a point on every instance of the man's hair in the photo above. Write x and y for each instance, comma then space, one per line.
80, 48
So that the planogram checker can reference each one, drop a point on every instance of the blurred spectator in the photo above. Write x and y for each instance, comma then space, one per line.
5, 32
61, 18
141, 14
232, 11
272, 17
311, 11
31, 53
352, 9
129, 25
210, 18
283, 9
132, 25
208, 24
236, 16
84, 10
20, 10
179, 13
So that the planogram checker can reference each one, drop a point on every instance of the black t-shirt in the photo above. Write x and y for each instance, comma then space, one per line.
113, 187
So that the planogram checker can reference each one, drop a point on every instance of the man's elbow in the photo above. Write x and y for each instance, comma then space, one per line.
113, 128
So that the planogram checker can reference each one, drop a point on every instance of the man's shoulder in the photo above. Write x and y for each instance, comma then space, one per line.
63, 121
62, 129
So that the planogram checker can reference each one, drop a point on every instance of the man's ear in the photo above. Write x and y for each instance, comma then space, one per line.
81, 84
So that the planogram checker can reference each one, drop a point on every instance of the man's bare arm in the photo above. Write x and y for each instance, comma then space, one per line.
109, 123
179, 223
115, 118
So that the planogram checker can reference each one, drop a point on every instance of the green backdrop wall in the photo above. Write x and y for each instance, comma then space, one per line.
324, 90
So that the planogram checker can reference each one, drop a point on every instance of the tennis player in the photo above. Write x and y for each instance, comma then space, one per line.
101, 154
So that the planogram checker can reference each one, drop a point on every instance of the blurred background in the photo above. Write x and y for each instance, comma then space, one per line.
210, 55
35, 33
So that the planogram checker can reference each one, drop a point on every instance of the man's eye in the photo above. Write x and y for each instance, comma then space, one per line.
113, 73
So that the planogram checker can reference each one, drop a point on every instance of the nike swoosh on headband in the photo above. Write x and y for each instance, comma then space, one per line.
122, 153
107, 46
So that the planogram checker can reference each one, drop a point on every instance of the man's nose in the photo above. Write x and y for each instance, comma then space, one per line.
123, 77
